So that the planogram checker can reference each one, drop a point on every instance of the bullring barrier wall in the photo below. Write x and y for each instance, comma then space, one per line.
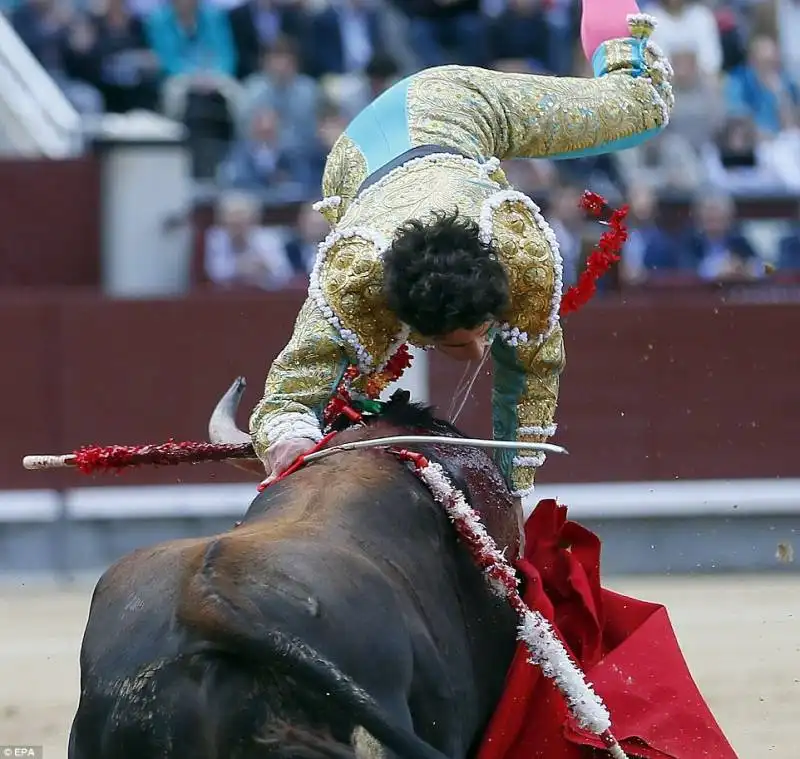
679, 411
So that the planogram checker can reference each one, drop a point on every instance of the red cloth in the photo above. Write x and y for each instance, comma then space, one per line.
626, 647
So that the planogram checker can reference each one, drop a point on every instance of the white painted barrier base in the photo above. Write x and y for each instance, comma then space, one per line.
639, 500
651, 527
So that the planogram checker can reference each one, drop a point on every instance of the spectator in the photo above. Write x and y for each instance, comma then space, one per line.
342, 37
194, 46
123, 68
738, 162
733, 35
685, 24
239, 251
522, 33
666, 163
787, 23
59, 39
192, 38
301, 248
715, 247
564, 19
699, 110
598, 171
331, 125
280, 86
671, 162
260, 164
256, 25
447, 31
762, 90
352, 93
648, 250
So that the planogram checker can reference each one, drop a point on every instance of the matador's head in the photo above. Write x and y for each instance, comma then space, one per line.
442, 280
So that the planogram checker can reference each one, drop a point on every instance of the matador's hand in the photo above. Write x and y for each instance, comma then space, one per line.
280, 455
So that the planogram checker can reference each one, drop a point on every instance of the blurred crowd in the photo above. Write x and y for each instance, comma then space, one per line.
264, 87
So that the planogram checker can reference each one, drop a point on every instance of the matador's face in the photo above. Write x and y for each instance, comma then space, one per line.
464, 344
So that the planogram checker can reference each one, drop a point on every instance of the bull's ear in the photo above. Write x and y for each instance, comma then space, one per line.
400, 397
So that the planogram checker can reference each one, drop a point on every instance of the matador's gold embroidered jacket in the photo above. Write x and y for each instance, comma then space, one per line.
489, 116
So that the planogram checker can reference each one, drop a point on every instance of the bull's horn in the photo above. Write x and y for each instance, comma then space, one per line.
222, 425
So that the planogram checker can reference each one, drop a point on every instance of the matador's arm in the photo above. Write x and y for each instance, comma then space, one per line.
300, 382
344, 309
524, 401
488, 113
528, 350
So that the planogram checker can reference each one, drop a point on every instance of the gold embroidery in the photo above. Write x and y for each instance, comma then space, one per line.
345, 170
526, 254
537, 407
448, 183
481, 113
416, 190
487, 113
352, 283
617, 54
530, 263
304, 375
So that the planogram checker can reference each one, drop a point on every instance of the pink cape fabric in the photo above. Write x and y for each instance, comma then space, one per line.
603, 20
626, 647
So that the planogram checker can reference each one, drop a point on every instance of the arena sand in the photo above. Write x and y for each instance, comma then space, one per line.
740, 635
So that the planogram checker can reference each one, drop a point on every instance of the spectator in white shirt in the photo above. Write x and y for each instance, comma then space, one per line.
239, 251
687, 25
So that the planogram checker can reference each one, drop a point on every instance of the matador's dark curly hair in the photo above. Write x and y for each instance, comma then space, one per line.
439, 276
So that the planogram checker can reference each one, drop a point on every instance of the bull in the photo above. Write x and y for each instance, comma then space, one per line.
340, 618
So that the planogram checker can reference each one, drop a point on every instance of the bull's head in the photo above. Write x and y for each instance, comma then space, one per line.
222, 425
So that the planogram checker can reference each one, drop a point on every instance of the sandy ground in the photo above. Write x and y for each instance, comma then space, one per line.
740, 635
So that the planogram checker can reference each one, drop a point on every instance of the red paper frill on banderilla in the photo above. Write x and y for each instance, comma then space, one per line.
626, 647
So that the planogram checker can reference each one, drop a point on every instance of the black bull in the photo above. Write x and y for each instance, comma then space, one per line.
342, 618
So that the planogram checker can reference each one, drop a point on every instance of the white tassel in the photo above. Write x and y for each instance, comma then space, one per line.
616, 751
534, 630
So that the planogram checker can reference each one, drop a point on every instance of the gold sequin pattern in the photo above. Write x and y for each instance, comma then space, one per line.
543, 366
528, 259
488, 113
481, 113
352, 283
619, 54
345, 170
416, 190
303, 376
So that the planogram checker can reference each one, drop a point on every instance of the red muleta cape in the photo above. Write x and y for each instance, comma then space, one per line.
626, 647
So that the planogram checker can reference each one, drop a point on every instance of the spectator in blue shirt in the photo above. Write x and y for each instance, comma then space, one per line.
264, 165
762, 90
192, 37
716, 247
193, 42
649, 250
